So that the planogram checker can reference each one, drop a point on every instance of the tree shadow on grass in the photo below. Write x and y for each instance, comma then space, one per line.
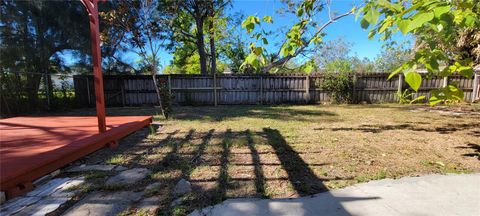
259, 175
474, 147
303, 179
378, 128
181, 154
284, 113
300, 175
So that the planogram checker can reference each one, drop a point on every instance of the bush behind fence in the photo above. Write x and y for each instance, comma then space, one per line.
29, 92
129, 90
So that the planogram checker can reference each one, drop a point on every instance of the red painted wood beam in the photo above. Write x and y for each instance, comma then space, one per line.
92, 9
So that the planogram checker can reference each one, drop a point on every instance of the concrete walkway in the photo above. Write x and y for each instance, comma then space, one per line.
427, 195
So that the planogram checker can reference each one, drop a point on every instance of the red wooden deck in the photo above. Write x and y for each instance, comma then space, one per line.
31, 147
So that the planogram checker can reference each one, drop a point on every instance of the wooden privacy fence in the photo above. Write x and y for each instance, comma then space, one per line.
134, 90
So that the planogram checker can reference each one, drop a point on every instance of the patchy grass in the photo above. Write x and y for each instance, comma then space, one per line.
118, 159
92, 175
290, 151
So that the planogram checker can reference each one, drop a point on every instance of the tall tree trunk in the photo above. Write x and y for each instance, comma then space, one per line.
33, 83
213, 53
201, 47
157, 89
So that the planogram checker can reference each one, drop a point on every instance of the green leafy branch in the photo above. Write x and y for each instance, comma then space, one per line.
296, 39
435, 24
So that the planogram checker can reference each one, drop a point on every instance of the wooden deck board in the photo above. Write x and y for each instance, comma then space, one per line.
31, 147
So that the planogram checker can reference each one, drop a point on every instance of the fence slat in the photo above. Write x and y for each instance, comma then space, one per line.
128, 90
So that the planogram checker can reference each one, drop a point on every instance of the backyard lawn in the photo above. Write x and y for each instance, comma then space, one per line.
288, 151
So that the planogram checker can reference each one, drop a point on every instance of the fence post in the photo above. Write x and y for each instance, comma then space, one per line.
476, 89
445, 81
47, 89
307, 88
354, 90
88, 90
400, 83
215, 89
261, 89
169, 85
122, 89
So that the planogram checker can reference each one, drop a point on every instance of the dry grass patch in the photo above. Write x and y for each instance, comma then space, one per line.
290, 151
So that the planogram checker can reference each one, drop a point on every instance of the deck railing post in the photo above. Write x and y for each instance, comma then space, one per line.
92, 9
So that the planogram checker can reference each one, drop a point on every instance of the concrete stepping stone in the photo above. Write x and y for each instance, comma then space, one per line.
43, 207
152, 187
119, 168
182, 187
98, 167
128, 176
104, 203
150, 205
44, 199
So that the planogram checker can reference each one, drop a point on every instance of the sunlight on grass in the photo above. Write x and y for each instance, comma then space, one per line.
290, 151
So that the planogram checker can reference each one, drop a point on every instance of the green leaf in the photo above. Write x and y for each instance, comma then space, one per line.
394, 73
435, 97
448, 93
300, 12
432, 64
371, 34
372, 16
265, 41
250, 58
267, 19
465, 71
404, 26
470, 21
419, 19
447, 71
389, 5
421, 97
258, 50
359, 12
454, 93
317, 40
285, 50
249, 23
413, 79
250, 27
385, 24
405, 66
439, 11
364, 23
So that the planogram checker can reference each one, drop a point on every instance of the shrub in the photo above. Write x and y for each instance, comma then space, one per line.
407, 97
339, 86
165, 96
